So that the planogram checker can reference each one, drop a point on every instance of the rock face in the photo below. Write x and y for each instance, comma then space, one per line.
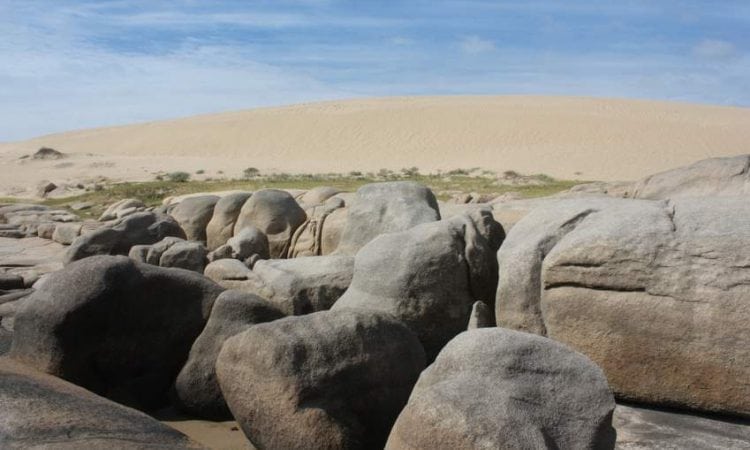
332, 379
247, 242
710, 177
494, 388
66, 233
185, 255
429, 276
302, 285
193, 214
196, 386
136, 229
318, 195
118, 328
276, 214
221, 226
308, 239
386, 208
656, 293
41, 411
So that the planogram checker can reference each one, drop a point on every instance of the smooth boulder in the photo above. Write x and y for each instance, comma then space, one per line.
116, 327
276, 214
185, 255
655, 292
42, 411
430, 275
143, 228
301, 285
494, 388
193, 214
386, 208
197, 389
221, 226
332, 379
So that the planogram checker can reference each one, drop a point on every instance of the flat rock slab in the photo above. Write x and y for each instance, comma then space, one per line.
22, 255
642, 428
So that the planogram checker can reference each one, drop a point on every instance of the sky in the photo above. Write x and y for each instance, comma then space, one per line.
78, 64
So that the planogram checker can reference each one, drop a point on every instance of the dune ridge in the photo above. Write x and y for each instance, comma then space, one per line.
565, 137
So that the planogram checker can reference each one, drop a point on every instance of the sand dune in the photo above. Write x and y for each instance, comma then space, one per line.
566, 137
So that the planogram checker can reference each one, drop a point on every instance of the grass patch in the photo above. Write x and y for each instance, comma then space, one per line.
444, 186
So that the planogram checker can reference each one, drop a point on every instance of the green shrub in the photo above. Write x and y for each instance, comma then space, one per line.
251, 172
178, 177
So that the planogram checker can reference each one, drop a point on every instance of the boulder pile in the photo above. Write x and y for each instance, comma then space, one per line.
386, 319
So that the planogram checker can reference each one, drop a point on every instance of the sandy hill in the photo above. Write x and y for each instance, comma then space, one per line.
565, 137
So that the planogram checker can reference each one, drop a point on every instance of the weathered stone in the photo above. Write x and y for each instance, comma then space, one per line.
185, 255
46, 230
429, 276
481, 316
10, 281
301, 285
41, 411
494, 388
276, 214
66, 233
197, 389
193, 214
656, 293
318, 195
116, 327
386, 208
137, 229
247, 242
111, 213
332, 379
228, 273
221, 226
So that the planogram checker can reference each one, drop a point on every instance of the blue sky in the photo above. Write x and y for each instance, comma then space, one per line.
78, 64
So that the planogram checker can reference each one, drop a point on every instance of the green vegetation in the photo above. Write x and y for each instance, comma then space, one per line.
445, 185
178, 177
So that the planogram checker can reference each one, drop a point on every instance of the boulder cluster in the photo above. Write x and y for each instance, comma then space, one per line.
383, 318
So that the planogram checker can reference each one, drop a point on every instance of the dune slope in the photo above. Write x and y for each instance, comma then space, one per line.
565, 137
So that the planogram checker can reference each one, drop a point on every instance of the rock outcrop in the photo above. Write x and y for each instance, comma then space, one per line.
197, 389
276, 214
42, 411
429, 276
332, 379
386, 208
193, 214
116, 327
655, 292
143, 228
501, 389
221, 226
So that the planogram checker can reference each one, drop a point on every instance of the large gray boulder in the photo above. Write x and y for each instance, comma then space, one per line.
247, 242
116, 327
308, 238
197, 389
728, 176
276, 214
228, 273
332, 379
42, 411
193, 214
429, 276
655, 292
143, 228
301, 285
386, 208
185, 255
494, 388
221, 226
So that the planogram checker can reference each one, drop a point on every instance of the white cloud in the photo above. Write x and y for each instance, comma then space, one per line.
474, 45
715, 49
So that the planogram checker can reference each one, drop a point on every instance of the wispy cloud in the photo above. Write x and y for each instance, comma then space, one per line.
474, 44
715, 49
